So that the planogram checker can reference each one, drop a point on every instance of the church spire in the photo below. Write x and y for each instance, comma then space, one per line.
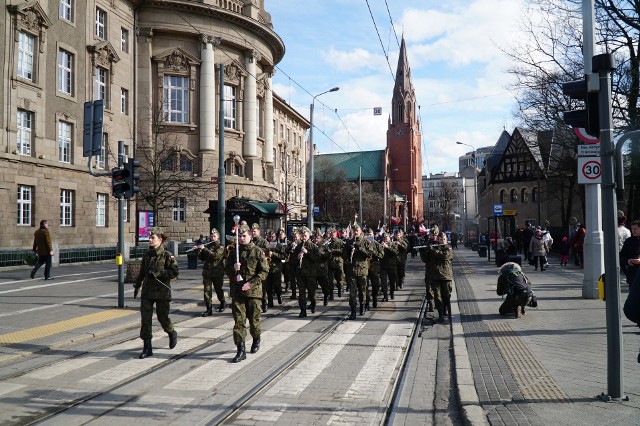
402, 100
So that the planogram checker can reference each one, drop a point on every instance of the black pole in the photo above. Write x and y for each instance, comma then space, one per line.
120, 249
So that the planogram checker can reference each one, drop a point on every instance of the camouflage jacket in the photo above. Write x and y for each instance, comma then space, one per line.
278, 254
261, 243
376, 254
442, 263
356, 256
157, 270
403, 248
427, 256
336, 247
324, 257
253, 270
213, 257
390, 258
308, 266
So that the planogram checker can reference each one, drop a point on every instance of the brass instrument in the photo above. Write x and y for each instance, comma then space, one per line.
197, 248
353, 250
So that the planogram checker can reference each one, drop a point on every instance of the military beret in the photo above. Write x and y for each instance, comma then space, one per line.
243, 229
270, 232
214, 231
155, 230
304, 229
255, 226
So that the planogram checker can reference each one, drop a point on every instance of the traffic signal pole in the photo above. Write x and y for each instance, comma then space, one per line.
120, 248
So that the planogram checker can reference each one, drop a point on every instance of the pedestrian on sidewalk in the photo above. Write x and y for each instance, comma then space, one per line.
538, 249
565, 248
513, 283
527, 234
43, 248
578, 244
157, 269
630, 253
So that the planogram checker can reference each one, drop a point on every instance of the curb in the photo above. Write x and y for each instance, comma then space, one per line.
470, 408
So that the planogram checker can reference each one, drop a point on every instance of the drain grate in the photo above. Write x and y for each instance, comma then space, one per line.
533, 380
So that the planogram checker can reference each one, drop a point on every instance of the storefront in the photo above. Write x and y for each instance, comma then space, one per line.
268, 215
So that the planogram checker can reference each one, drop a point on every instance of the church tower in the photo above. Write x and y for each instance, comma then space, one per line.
404, 145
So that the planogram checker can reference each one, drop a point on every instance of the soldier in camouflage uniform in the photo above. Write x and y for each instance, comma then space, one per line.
388, 266
403, 248
246, 276
307, 255
323, 270
213, 271
157, 270
429, 260
336, 269
293, 263
281, 239
377, 253
442, 276
356, 264
275, 256
260, 242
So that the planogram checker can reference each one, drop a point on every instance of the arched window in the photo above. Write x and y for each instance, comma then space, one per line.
534, 195
524, 196
233, 168
168, 164
186, 165
513, 196
400, 113
502, 195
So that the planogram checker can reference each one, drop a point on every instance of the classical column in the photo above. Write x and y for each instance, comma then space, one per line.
268, 119
249, 145
144, 85
208, 93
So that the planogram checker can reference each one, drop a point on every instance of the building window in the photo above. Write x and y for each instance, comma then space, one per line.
100, 84
275, 128
524, 196
66, 10
513, 196
101, 21
186, 165
275, 159
288, 138
124, 101
64, 142
24, 205
100, 159
534, 195
179, 209
124, 40
101, 210
502, 196
25, 124
65, 72
66, 207
281, 131
229, 107
168, 164
176, 99
25, 55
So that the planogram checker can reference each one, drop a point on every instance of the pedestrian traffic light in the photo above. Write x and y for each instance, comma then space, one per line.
587, 118
131, 177
119, 183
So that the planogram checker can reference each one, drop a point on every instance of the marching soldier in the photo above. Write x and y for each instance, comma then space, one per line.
323, 270
376, 255
281, 239
157, 270
336, 270
260, 242
293, 263
403, 248
307, 254
388, 266
213, 271
442, 276
275, 256
246, 274
429, 266
356, 257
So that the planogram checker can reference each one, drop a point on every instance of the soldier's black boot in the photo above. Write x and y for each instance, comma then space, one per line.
173, 339
222, 306
279, 296
326, 300
441, 314
293, 294
147, 351
353, 312
339, 291
429, 306
270, 301
385, 298
303, 309
391, 294
331, 295
361, 309
375, 302
241, 354
313, 307
264, 306
255, 346
207, 312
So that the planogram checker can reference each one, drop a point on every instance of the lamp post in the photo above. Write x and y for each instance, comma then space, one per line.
475, 179
311, 195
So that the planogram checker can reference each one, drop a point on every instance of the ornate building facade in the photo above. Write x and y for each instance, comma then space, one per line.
156, 65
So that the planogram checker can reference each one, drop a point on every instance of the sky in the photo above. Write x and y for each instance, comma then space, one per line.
455, 55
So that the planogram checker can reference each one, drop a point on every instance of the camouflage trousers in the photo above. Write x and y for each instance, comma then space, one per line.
388, 279
273, 285
213, 283
244, 308
358, 289
374, 279
307, 286
323, 282
441, 293
146, 314
336, 274
400, 271
428, 286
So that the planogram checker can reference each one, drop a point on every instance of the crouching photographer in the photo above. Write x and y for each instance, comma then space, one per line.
513, 283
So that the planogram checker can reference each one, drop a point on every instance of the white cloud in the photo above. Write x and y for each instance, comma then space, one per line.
355, 60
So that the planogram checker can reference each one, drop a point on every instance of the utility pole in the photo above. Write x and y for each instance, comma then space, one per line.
120, 250
221, 174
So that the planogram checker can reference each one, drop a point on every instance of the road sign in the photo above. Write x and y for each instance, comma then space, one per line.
316, 209
377, 111
584, 136
498, 209
589, 170
506, 212
214, 179
589, 150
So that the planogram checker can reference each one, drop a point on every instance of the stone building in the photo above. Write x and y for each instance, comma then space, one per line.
156, 66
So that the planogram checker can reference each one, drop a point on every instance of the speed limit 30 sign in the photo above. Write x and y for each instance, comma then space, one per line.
589, 170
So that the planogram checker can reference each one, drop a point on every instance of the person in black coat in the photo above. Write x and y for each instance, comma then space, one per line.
630, 253
527, 234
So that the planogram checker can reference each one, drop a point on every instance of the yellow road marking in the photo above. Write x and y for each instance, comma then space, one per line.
62, 326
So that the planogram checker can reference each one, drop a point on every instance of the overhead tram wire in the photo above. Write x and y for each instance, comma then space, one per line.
392, 26
386, 55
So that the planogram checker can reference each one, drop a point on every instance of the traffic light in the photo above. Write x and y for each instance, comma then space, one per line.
131, 177
587, 118
119, 182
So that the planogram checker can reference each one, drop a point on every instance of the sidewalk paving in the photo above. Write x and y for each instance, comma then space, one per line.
550, 366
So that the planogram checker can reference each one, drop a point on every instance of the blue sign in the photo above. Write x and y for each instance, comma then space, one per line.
498, 209
316, 209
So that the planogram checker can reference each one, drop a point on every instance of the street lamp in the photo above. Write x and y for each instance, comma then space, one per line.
311, 195
475, 178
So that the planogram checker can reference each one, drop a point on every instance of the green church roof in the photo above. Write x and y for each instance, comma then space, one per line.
372, 163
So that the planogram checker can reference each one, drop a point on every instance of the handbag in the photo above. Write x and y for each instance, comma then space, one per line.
533, 301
